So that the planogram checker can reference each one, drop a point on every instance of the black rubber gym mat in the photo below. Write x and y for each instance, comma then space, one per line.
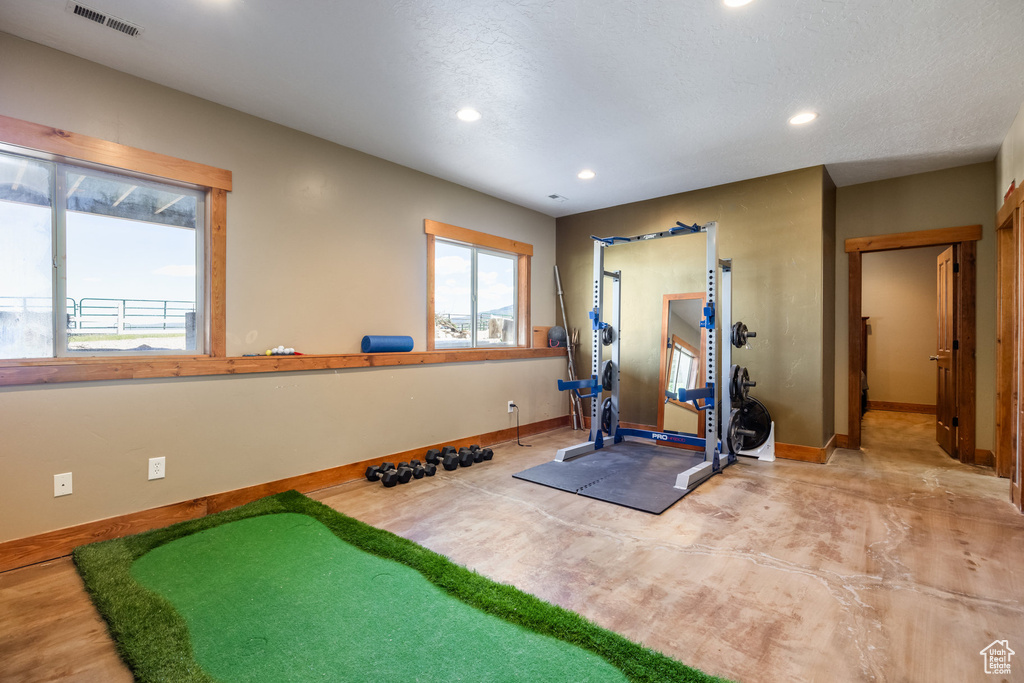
633, 474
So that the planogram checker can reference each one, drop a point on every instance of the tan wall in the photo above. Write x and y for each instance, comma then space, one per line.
1010, 160
899, 294
772, 229
325, 244
941, 199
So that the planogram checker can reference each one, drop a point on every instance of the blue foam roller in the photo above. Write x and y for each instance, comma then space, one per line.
386, 343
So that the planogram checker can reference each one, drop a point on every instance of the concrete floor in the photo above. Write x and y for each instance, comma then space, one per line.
894, 563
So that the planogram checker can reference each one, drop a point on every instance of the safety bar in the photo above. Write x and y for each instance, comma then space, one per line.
693, 395
593, 384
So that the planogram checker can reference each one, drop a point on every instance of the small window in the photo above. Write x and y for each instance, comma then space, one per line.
474, 297
477, 289
96, 263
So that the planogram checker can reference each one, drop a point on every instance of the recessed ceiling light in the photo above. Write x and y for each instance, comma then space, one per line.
803, 117
736, 3
468, 114
585, 174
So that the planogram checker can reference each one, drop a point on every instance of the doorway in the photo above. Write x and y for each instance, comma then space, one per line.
899, 372
962, 241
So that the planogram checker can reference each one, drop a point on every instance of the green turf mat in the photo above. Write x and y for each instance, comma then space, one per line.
287, 589
280, 598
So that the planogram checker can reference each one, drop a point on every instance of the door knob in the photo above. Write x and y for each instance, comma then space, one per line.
933, 357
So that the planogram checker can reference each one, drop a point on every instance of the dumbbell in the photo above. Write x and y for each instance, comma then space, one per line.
419, 470
400, 476
375, 472
446, 457
466, 457
388, 475
481, 454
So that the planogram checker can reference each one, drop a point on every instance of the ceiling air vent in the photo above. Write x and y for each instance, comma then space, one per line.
110, 22
558, 197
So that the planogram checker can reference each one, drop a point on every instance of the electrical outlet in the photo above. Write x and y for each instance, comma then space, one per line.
156, 468
511, 405
61, 484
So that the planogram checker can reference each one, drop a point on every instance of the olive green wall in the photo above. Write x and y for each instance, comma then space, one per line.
772, 228
324, 245
925, 201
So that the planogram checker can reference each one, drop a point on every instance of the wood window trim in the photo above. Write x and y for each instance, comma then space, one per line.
524, 254
217, 183
74, 146
964, 238
64, 143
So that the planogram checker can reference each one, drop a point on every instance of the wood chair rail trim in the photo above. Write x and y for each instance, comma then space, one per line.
58, 370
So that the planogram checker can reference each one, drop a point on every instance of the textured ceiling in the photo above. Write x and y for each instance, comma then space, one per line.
656, 96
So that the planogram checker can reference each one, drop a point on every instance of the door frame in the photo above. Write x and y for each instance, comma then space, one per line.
1007, 236
963, 239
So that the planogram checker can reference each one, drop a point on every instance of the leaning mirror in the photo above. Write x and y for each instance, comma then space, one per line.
682, 361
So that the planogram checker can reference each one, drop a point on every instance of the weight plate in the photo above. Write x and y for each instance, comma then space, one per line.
739, 384
739, 335
733, 436
607, 375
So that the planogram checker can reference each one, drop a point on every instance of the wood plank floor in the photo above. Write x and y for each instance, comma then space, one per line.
894, 563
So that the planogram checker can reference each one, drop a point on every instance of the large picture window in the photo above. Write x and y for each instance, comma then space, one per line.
478, 288
98, 263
